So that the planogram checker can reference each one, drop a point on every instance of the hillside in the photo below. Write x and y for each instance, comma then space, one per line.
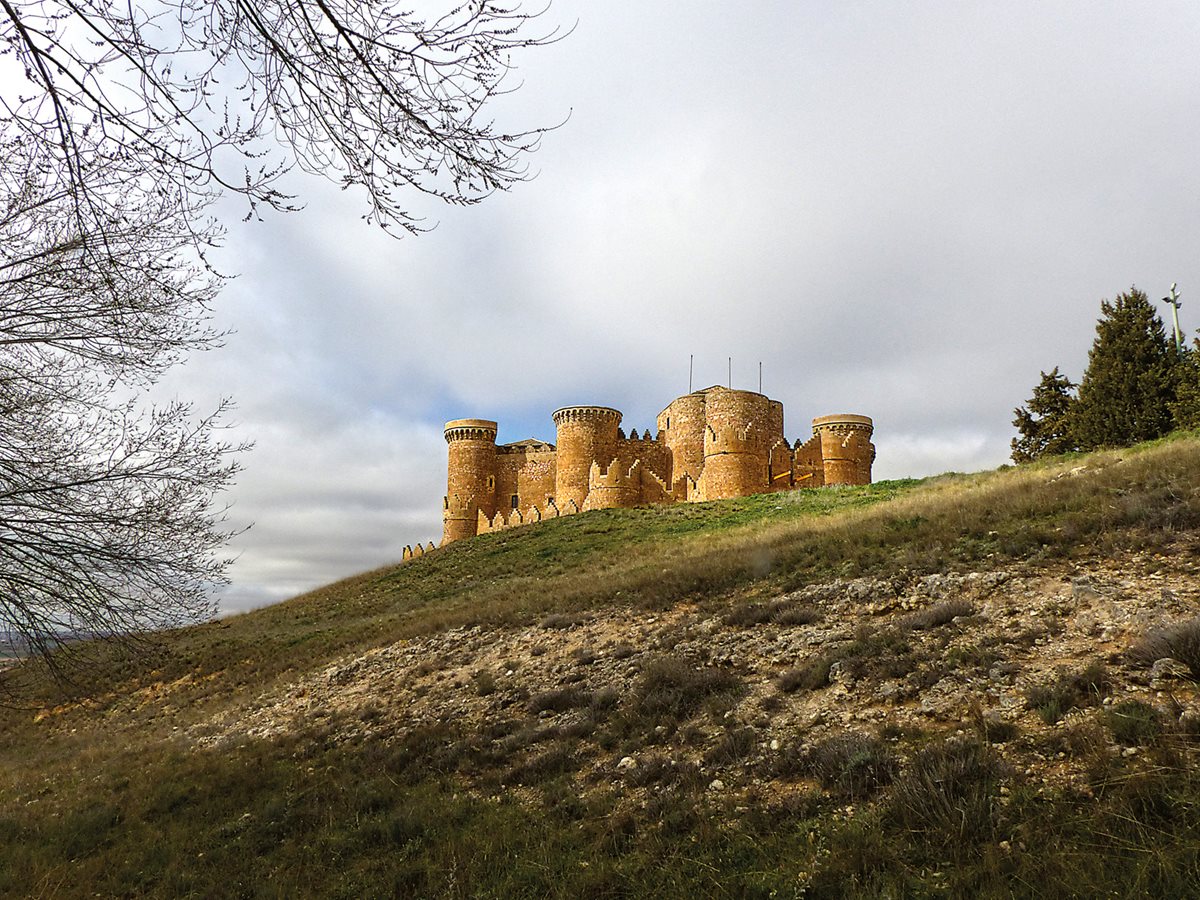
978, 685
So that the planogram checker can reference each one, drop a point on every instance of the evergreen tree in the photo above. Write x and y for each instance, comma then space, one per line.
1044, 425
1186, 408
1129, 386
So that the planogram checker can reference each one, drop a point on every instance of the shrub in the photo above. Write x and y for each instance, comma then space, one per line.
946, 795
564, 620
734, 746
851, 765
558, 700
671, 688
1133, 722
1053, 699
778, 612
810, 675
1180, 641
939, 614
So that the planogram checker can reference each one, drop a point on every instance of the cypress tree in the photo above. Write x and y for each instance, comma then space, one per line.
1128, 388
1186, 408
1044, 424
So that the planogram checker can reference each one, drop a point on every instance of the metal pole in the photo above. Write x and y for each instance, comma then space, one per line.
760, 376
731, 373
1174, 303
691, 359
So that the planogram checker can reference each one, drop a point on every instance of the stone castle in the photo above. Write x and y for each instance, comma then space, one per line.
711, 444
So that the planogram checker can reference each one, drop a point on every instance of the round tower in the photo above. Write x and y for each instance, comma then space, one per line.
846, 448
681, 426
586, 434
734, 463
470, 477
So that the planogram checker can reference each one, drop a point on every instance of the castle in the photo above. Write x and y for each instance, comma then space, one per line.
711, 444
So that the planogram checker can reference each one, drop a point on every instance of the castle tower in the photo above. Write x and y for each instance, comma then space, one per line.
470, 477
586, 434
846, 448
681, 426
734, 464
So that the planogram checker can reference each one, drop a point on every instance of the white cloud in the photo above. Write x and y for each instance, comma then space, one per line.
902, 211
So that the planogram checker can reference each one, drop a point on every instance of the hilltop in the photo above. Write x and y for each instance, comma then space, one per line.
979, 685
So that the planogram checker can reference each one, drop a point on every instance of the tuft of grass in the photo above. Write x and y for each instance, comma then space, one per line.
851, 765
672, 688
558, 700
1133, 722
947, 796
1180, 641
1053, 699
938, 615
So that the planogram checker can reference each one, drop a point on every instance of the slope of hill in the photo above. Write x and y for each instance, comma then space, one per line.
972, 685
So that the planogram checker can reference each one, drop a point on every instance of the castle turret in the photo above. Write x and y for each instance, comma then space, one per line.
846, 448
734, 465
615, 486
470, 477
586, 434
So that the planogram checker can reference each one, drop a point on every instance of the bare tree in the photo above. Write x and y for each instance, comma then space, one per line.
109, 525
226, 95
122, 124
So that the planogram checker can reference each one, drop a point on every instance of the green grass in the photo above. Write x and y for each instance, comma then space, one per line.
99, 798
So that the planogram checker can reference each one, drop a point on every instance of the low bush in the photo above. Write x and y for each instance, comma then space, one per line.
558, 700
1180, 641
810, 675
946, 796
938, 615
1052, 700
851, 765
1133, 722
672, 688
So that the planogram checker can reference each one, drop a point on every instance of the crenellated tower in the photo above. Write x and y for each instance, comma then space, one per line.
734, 463
846, 448
586, 434
470, 477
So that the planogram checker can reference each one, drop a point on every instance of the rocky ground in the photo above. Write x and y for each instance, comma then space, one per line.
1035, 660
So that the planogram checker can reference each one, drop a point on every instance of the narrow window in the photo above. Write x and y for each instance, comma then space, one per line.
549, 499
514, 501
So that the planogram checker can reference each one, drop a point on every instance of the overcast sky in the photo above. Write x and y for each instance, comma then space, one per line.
902, 212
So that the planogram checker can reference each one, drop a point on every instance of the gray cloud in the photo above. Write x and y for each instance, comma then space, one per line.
906, 212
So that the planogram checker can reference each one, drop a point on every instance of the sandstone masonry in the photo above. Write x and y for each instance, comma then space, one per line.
711, 444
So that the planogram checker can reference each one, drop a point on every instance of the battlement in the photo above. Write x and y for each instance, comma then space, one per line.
710, 444
470, 430
730, 439
843, 424
614, 474
586, 414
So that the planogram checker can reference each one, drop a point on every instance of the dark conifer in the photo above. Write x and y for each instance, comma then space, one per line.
1129, 386
1044, 424
1186, 408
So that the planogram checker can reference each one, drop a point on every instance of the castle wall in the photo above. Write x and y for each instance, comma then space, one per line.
586, 434
681, 428
528, 474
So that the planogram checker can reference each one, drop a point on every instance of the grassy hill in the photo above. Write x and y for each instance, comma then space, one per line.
977, 685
